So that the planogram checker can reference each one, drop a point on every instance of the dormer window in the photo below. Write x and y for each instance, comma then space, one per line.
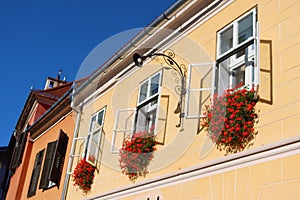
51, 84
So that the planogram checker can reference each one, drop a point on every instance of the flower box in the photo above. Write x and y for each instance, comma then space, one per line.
231, 119
83, 175
136, 154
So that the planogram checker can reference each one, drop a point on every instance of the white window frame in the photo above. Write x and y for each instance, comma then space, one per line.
95, 128
126, 132
149, 87
251, 70
151, 97
190, 90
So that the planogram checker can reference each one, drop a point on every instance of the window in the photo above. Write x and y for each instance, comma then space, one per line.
237, 62
123, 128
35, 173
54, 161
51, 84
200, 87
94, 137
147, 103
237, 53
141, 118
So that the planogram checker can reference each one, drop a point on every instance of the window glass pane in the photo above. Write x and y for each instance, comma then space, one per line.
95, 137
100, 117
154, 84
92, 153
245, 28
226, 38
93, 147
93, 121
238, 76
143, 91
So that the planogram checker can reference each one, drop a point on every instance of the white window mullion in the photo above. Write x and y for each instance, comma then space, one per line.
218, 44
257, 58
235, 34
149, 88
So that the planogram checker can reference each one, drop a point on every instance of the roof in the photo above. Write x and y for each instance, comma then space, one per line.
46, 97
53, 93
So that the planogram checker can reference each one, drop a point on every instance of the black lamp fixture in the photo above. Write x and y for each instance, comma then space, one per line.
138, 59
168, 56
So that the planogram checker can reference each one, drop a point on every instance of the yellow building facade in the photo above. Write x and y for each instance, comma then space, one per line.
216, 45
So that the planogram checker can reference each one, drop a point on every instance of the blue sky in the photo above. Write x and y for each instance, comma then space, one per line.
38, 38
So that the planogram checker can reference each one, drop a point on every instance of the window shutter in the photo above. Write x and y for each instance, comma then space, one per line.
58, 161
124, 125
200, 87
19, 150
44, 183
35, 173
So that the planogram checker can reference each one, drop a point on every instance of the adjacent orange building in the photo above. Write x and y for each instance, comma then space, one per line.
43, 132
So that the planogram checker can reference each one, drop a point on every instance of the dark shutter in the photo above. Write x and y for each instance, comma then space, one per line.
18, 151
44, 183
35, 173
58, 162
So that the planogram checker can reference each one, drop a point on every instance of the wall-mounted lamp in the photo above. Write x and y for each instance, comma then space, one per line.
168, 57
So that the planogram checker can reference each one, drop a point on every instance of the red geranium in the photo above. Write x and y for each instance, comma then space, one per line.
83, 175
136, 154
231, 118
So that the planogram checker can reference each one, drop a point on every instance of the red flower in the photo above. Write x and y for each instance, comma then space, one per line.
245, 134
250, 122
83, 175
230, 119
136, 154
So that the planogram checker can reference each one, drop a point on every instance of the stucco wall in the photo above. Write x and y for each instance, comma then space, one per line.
67, 125
278, 117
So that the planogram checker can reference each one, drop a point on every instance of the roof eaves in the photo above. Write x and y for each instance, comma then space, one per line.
66, 95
